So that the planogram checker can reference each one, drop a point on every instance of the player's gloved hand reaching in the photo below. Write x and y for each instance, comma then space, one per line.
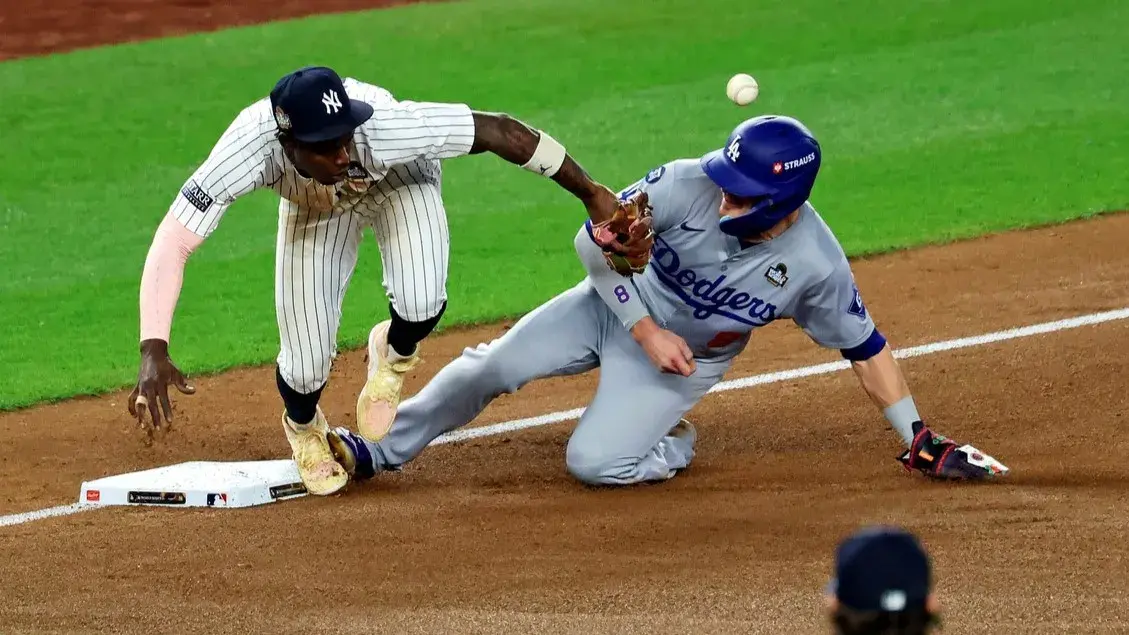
668, 352
939, 457
627, 236
156, 373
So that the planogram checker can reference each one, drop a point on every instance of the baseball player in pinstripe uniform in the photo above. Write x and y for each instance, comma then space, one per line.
342, 155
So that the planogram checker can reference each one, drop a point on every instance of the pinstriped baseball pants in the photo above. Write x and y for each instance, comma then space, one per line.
317, 253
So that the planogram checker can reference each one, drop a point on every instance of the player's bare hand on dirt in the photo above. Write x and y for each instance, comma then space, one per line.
150, 397
668, 352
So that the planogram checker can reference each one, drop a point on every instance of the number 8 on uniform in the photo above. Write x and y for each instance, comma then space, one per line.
621, 294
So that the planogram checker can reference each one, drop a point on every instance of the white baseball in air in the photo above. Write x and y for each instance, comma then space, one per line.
742, 89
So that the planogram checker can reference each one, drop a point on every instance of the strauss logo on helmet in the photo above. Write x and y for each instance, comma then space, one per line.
769, 147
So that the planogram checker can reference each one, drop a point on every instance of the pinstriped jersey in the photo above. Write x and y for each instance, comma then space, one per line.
249, 157
714, 292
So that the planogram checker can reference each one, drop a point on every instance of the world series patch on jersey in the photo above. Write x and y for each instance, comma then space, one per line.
777, 274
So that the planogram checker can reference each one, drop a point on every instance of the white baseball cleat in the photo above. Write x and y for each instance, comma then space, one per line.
379, 399
321, 473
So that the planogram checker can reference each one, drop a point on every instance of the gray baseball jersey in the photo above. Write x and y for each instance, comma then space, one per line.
705, 286
701, 284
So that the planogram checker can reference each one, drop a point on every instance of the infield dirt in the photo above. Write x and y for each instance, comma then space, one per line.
492, 535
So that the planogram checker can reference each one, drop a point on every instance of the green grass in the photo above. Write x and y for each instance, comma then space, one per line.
944, 119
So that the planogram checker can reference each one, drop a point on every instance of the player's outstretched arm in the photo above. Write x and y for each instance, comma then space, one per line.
882, 379
233, 168
161, 281
534, 150
932, 454
538, 152
833, 314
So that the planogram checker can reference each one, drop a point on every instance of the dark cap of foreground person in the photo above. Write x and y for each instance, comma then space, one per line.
882, 584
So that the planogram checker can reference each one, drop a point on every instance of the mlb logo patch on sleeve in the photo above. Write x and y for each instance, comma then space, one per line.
857, 307
197, 196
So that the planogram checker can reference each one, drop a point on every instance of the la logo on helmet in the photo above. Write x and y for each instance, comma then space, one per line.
734, 150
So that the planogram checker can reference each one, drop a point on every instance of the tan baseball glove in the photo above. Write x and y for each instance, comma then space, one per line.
627, 236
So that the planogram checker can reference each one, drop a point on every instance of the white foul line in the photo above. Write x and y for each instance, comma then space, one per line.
40, 514
808, 371
733, 384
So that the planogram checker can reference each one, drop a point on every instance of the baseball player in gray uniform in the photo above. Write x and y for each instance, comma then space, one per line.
342, 155
737, 245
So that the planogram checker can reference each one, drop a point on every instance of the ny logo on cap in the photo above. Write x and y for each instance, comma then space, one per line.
331, 100
734, 150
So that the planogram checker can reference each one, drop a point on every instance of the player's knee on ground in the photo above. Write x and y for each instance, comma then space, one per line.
591, 474
594, 462
596, 466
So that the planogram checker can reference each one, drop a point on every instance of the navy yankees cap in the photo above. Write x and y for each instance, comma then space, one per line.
881, 569
311, 104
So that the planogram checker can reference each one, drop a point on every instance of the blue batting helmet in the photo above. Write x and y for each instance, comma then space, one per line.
773, 159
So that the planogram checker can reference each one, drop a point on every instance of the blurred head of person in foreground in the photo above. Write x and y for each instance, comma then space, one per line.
882, 585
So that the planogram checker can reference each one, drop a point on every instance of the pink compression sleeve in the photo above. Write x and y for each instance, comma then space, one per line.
164, 275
